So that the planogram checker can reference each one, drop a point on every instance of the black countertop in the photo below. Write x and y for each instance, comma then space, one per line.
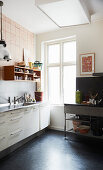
77, 104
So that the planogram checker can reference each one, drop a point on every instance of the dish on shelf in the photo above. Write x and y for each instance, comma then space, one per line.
84, 129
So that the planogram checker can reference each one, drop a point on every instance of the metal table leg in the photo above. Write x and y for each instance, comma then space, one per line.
65, 125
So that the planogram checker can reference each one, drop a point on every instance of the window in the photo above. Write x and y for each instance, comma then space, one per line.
69, 83
69, 51
54, 49
54, 84
61, 71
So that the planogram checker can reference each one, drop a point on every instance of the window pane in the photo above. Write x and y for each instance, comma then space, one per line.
54, 53
69, 84
69, 51
54, 85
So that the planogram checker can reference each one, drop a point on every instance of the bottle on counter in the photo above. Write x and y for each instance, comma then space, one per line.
78, 97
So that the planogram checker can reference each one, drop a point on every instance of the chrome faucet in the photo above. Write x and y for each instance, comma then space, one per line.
18, 99
9, 100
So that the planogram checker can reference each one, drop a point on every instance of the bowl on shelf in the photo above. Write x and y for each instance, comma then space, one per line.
84, 129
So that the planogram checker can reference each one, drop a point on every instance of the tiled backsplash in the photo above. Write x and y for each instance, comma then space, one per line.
17, 38
13, 88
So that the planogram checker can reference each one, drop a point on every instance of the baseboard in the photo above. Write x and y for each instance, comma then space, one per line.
56, 128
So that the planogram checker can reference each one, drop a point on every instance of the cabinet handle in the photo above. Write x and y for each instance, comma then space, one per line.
16, 119
1, 123
35, 109
26, 110
18, 132
2, 138
12, 113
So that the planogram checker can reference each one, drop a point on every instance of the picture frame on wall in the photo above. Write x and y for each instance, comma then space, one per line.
87, 63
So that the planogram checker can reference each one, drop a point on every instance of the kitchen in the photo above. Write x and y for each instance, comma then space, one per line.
31, 126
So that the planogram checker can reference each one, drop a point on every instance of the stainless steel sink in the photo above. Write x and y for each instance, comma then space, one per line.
27, 104
23, 104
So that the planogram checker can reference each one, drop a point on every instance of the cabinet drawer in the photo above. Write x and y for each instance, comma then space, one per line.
15, 136
3, 126
15, 123
2, 116
26, 111
3, 142
15, 113
35, 108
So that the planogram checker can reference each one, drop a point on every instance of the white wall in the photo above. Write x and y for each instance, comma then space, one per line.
57, 118
89, 39
13, 88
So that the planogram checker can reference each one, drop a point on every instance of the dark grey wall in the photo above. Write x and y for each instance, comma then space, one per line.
92, 84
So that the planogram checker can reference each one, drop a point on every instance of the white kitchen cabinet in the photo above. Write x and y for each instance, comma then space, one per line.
31, 121
3, 131
44, 116
3, 123
27, 122
3, 142
35, 119
15, 136
19, 124
15, 126
15, 122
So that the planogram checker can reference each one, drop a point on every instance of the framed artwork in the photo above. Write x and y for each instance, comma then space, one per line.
87, 63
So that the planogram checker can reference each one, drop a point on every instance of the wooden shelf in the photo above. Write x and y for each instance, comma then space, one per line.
19, 67
12, 73
36, 70
25, 81
28, 68
89, 134
29, 74
18, 72
36, 76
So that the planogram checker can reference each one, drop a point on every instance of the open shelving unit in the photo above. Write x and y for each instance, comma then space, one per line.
72, 117
89, 134
17, 73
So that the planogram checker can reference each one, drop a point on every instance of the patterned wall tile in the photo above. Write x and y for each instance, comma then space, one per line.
17, 38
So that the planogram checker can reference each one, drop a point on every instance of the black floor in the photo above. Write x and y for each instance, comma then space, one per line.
51, 152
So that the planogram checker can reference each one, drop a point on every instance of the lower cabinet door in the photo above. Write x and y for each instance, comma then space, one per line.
15, 123
44, 116
31, 121
3, 127
35, 120
27, 122
15, 136
3, 142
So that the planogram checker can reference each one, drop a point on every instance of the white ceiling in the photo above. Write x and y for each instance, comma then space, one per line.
28, 15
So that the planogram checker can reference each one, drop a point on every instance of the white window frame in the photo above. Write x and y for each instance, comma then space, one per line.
60, 65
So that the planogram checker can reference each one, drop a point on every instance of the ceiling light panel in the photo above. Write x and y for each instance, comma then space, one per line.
64, 12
